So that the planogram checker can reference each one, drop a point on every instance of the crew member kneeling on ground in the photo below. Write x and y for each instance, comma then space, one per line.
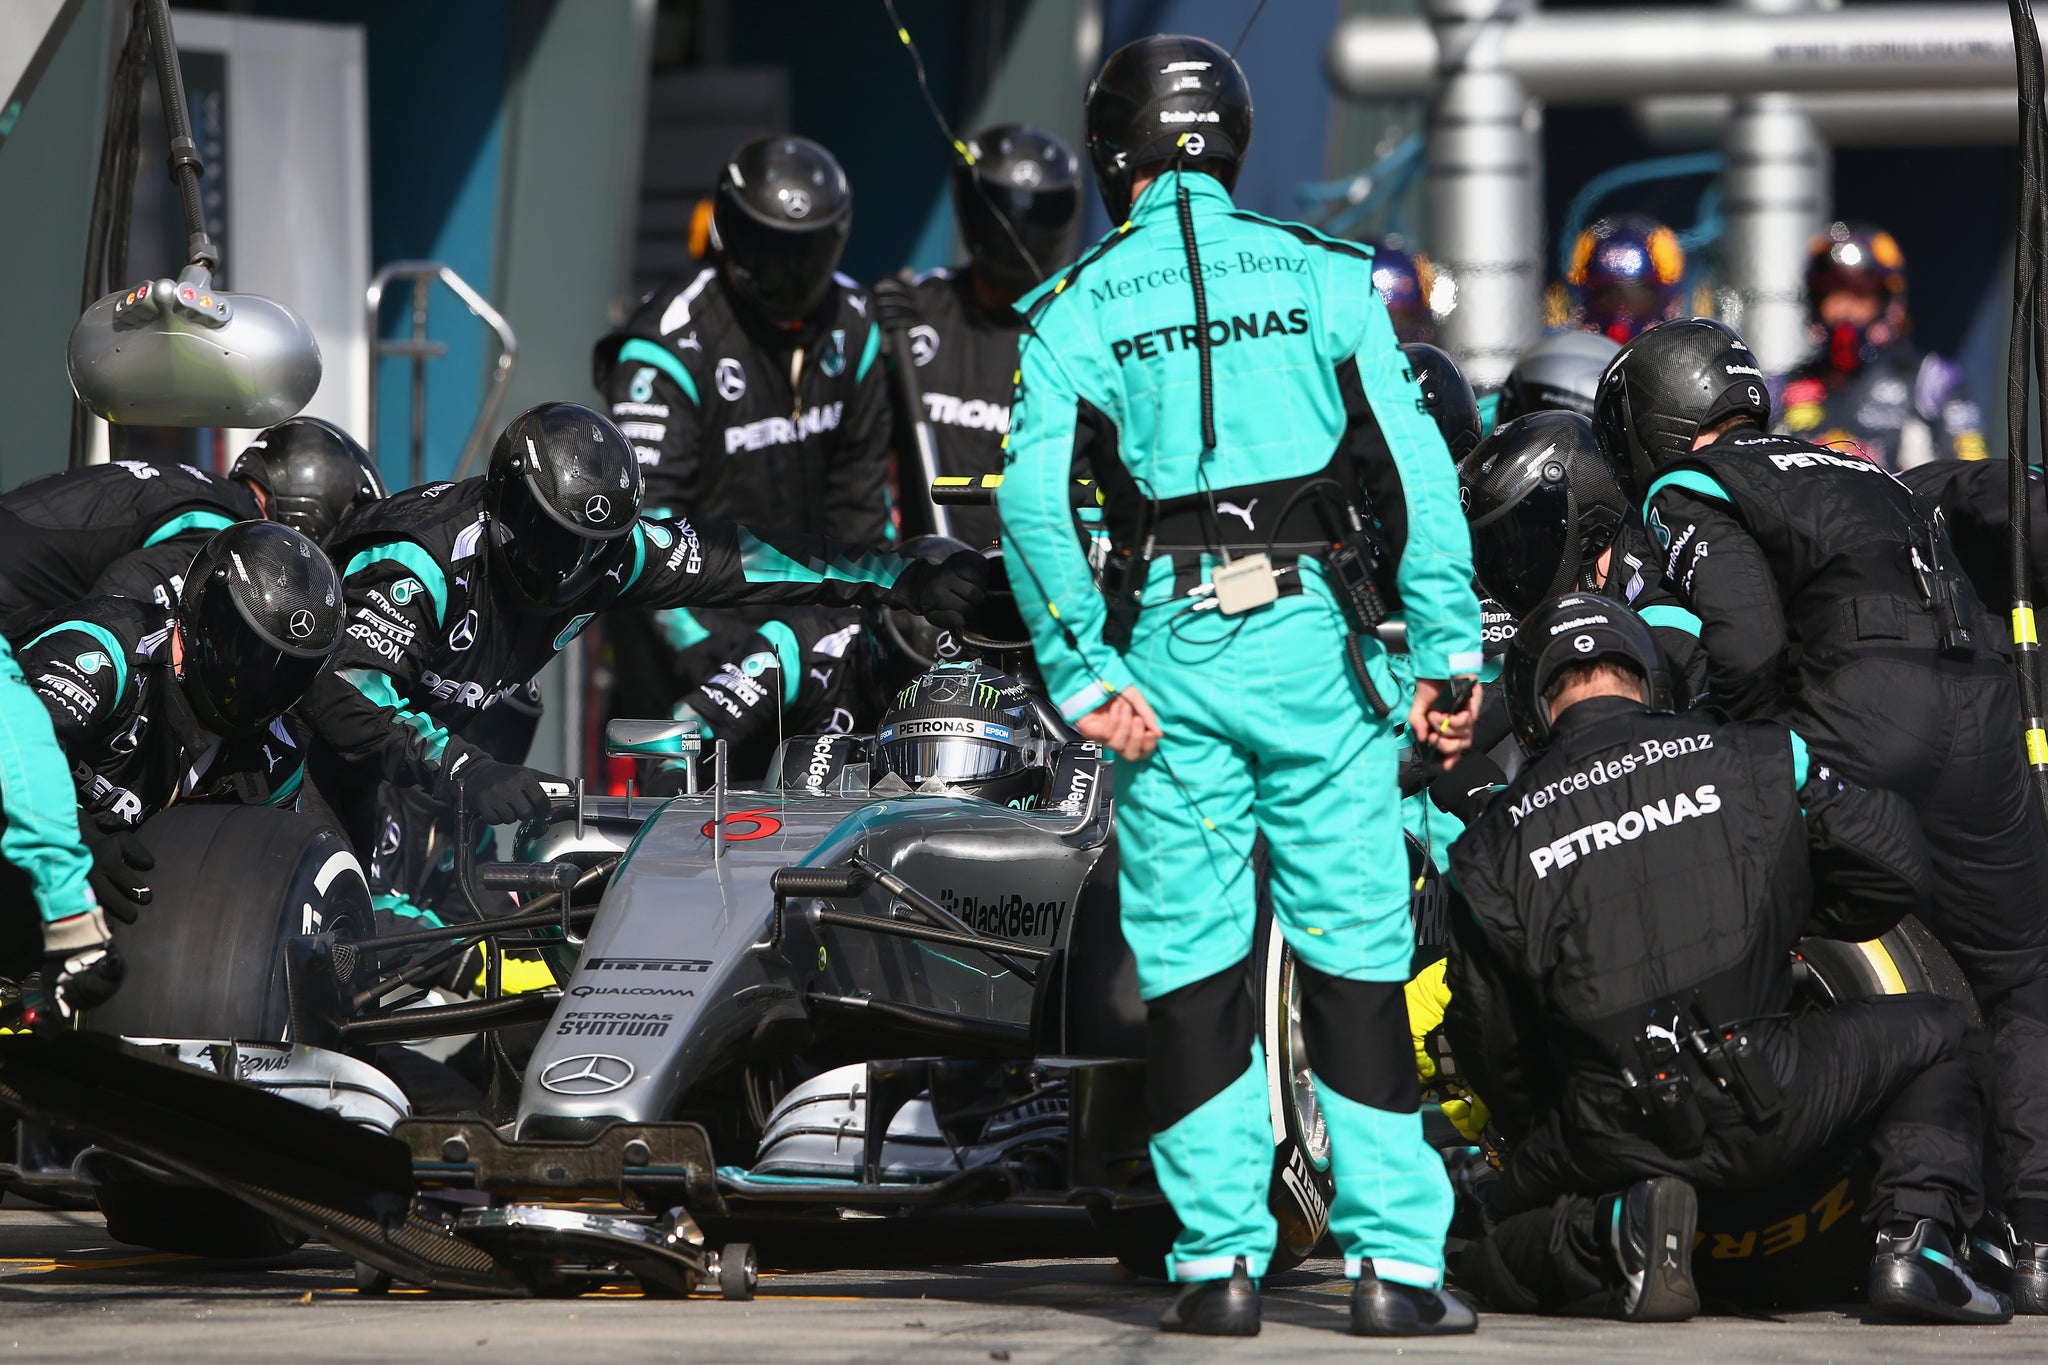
1830, 599
1219, 446
1621, 991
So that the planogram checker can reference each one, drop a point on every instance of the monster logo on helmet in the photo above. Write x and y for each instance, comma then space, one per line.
259, 614
973, 729
563, 493
1143, 103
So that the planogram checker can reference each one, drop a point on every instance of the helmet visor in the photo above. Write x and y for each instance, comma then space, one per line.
1519, 554
785, 274
551, 564
916, 752
243, 680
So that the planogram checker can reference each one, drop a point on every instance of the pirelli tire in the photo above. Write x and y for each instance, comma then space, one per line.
1299, 1196
206, 960
1804, 1240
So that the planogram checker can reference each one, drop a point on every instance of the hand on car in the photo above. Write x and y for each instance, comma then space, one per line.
83, 980
118, 860
504, 793
1125, 725
1432, 722
945, 593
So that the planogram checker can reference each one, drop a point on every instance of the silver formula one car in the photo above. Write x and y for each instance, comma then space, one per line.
889, 979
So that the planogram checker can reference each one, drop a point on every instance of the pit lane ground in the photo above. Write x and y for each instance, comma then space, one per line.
69, 1292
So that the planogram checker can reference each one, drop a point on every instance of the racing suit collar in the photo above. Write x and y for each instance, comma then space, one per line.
1594, 713
1158, 200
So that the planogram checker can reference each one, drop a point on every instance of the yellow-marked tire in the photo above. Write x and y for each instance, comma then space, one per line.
1803, 1241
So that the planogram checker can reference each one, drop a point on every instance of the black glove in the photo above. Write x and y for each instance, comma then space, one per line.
944, 594
502, 793
895, 305
118, 858
83, 980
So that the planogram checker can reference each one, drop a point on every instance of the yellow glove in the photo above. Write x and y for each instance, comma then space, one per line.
1467, 1113
1428, 996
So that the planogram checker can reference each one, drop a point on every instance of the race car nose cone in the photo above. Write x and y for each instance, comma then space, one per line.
179, 353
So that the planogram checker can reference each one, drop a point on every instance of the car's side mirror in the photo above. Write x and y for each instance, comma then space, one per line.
651, 738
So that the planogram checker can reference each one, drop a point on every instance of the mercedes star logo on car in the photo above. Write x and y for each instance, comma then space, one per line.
596, 1073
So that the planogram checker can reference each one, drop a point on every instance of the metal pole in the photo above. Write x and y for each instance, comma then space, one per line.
1777, 195
419, 380
1483, 179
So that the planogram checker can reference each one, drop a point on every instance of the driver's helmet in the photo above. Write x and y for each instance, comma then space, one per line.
1626, 275
970, 727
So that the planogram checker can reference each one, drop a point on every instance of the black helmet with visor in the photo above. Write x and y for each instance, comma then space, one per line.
781, 212
259, 614
563, 493
1542, 504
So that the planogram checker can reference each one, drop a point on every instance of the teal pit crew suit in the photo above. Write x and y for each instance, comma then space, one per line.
1265, 727
49, 906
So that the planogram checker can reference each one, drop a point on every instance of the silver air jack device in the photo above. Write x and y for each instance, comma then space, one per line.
183, 352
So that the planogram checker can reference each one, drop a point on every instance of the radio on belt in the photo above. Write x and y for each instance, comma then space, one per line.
1245, 584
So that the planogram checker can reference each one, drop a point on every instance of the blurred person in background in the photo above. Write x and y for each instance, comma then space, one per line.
1404, 279
1627, 274
1866, 386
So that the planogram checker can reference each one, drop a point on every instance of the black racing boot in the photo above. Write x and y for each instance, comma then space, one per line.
2029, 1277
1216, 1308
1387, 1308
1651, 1239
1916, 1274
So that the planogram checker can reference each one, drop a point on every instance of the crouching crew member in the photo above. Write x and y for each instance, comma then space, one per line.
1829, 599
1621, 991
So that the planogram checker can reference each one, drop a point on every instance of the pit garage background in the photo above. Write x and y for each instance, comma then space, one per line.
552, 152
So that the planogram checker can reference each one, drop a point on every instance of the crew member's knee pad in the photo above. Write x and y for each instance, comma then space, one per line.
1197, 1040
1358, 1043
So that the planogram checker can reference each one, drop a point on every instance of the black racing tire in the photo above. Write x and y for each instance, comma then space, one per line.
1803, 1240
1140, 1236
206, 960
231, 885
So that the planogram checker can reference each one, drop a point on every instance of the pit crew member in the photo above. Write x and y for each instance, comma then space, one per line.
1829, 599
1627, 273
457, 595
152, 706
1017, 202
1204, 435
60, 890
1621, 978
751, 393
